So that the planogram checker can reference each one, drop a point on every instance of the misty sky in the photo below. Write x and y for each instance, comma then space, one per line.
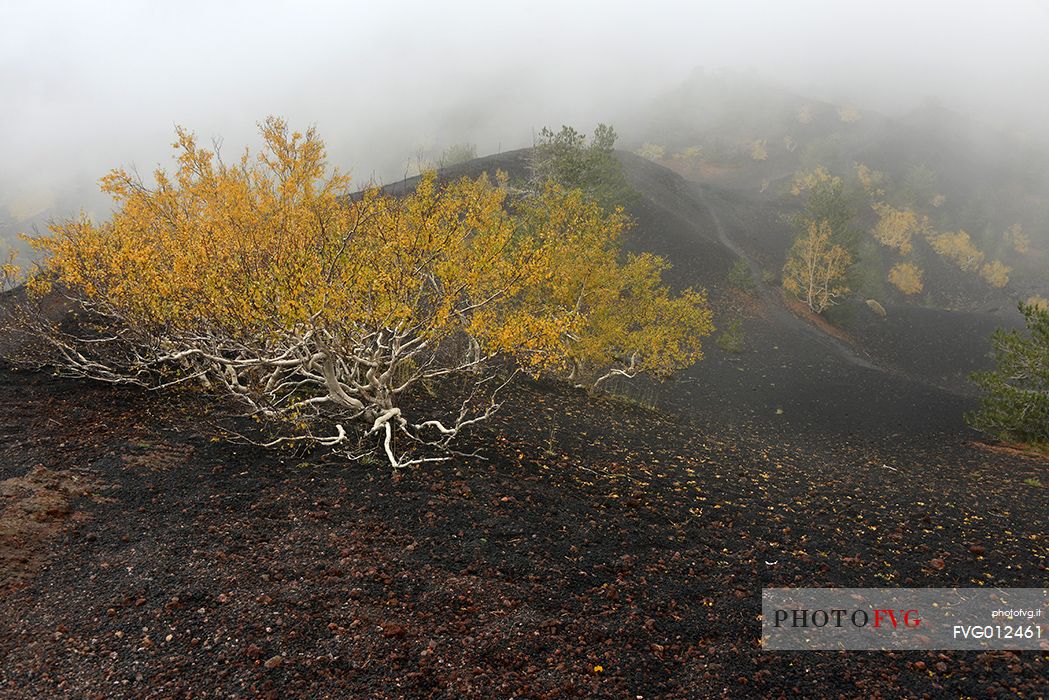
90, 85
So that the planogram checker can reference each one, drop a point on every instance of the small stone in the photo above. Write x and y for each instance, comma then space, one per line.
937, 564
391, 630
977, 549
274, 662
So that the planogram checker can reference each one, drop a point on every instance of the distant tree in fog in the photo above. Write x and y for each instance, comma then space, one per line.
10, 272
872, 181
1017, 239
816, 268
828, 199
906, 277
896, 228
758, 151
918, 187
995, 273
1038, 302
652, 151
457, 153
848, 114
958, 247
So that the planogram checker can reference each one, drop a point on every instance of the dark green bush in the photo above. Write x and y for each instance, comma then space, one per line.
731, 338
739, 276
566, 158
1015, 403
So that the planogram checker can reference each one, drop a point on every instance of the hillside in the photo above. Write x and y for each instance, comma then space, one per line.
905, 371
737, 133
611, 547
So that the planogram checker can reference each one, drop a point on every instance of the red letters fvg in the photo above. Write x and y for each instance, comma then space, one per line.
908, 618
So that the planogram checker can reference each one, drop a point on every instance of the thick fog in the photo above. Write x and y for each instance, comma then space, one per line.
90, 85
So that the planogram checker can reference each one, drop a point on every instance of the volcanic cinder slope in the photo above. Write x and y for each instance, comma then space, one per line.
601, 548
905, 373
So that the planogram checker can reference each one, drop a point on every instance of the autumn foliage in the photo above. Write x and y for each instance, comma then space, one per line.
995, 273
896, 228
816, 267
263, 281
819, 261
907, 277
10, 272
958, 248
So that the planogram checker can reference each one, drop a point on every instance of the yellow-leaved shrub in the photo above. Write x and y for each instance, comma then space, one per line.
959, 248
995, 273
897, 227
816, 267
906, 277
268, 281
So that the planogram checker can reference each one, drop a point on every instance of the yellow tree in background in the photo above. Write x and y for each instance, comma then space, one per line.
10, 272
897, 227
816, 267
848, 114
995, 273
652, 151
819, 177
758, 150
907, 277
872, 181
959, 248
1018, 240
